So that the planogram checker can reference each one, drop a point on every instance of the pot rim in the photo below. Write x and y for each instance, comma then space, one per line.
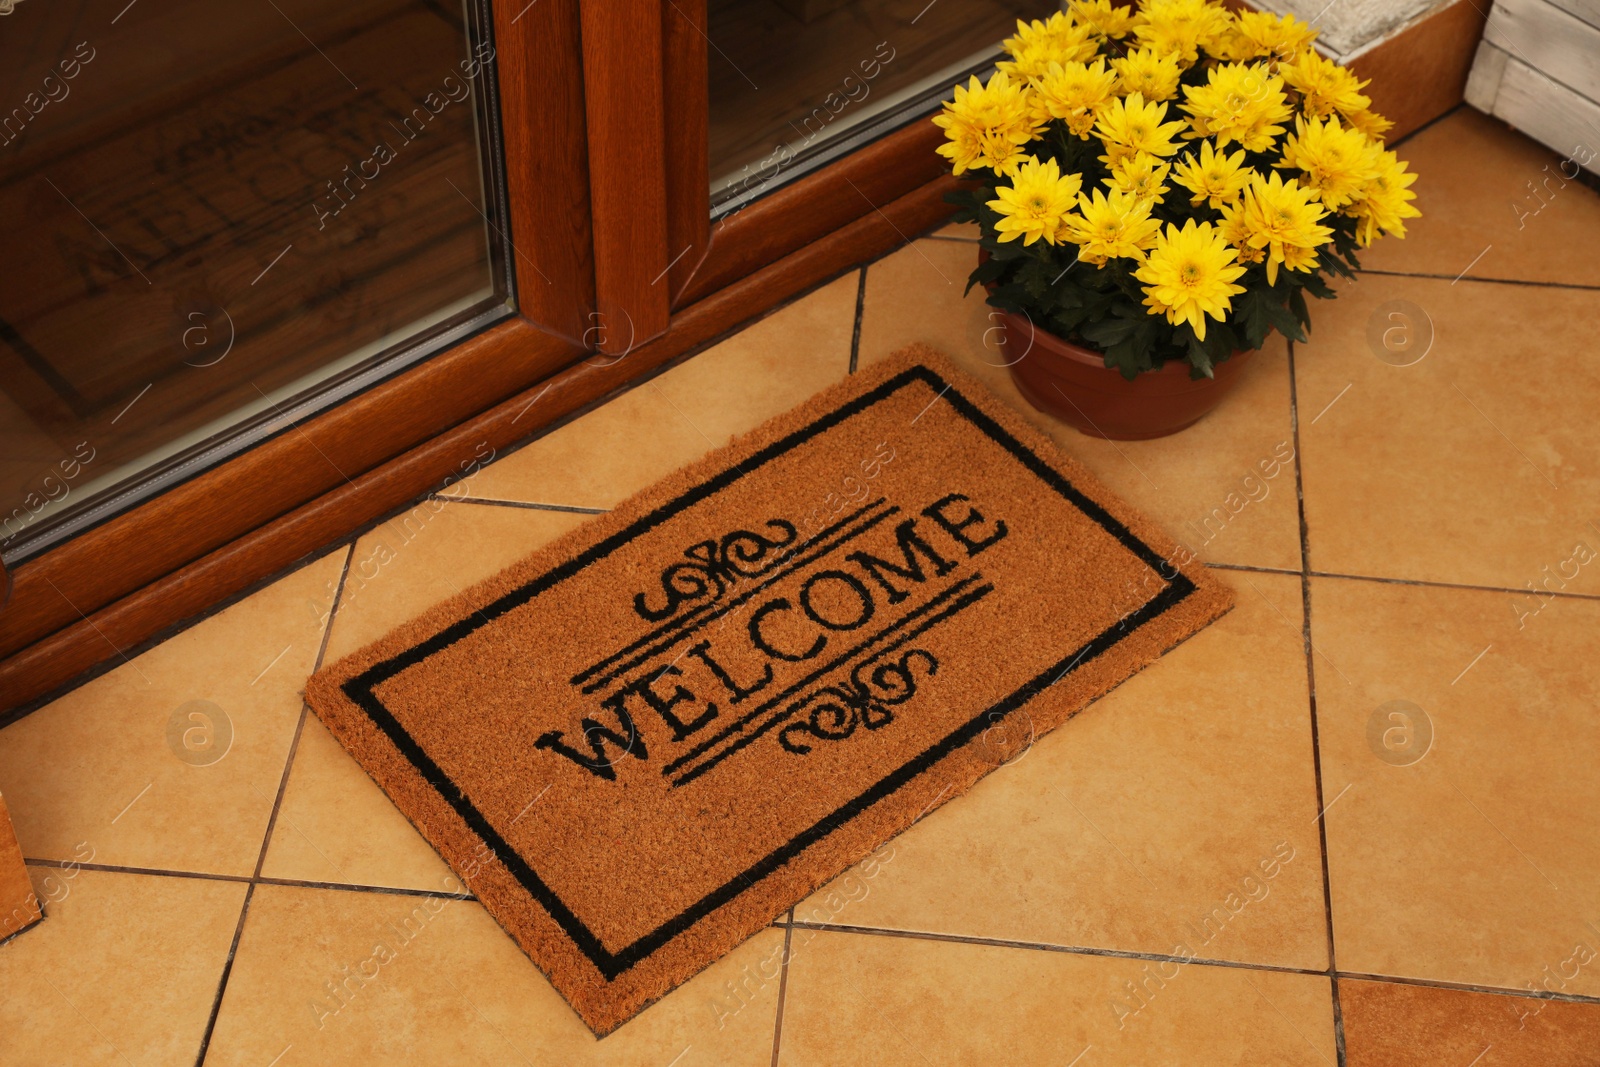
1089, 357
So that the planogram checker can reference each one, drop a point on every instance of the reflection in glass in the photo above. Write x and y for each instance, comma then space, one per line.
219, 218
795, 83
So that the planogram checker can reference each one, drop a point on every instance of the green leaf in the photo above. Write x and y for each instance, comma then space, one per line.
1297, 304
1198, 357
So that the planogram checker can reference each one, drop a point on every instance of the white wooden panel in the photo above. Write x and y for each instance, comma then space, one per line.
1587, 10
1483, 84
1550, 40
1550, 113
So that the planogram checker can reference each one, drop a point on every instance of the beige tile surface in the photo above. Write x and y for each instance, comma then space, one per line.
1205, 485
123, 971
611, 453
856, 998
1487, 191
335, 824
1140, 825
1478, 862
432, 552
1478, 464
445, 985
107, 766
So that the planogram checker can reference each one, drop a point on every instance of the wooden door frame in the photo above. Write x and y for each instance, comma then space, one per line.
92, 602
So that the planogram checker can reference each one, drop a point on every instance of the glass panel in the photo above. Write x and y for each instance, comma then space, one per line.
220, 218
795, 83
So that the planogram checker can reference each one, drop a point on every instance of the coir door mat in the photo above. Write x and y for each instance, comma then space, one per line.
644, 742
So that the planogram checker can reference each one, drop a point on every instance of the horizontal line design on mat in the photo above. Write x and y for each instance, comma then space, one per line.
707, 613
908, 626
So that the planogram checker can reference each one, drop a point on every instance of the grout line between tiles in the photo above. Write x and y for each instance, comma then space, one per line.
783, 982
1577, 286
1468, 987
209, 876
227, 969
1251, 569
528, 505
1311, 692
272, 819
1157, 957
861, 305
352, 887
1465, 586
116, 868
294, 743
1043, 946
1453, 585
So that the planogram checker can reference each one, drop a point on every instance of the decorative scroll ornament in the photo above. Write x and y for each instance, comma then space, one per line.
834, 712
714, 566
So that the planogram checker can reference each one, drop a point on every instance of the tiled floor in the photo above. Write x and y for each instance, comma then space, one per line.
1436, 901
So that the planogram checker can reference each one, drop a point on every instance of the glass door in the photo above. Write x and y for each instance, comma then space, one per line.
221, 219
795, 84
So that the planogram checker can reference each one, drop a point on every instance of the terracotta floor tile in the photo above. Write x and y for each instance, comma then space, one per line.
335, 824
1476, 201
1204, 485
1390, 1025
450, 987
123, 970
1461, 836
618, 449
855, 998
1127, 826
1476, 465
106, 765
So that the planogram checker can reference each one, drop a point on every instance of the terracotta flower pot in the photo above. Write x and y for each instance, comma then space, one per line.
1075, 385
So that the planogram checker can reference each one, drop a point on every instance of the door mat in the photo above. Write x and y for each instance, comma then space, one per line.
644, 742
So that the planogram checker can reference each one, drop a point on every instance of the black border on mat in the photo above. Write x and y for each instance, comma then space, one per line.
361, 689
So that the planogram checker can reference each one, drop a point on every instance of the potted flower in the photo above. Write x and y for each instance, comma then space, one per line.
1157, 190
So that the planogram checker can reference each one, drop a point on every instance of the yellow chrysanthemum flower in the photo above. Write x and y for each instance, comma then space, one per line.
1189, 275
1278, 215
1237, 234
987, 125
1263, 34
1140, 174
1112, 226
1149, 73
1035, 203
1181, 27
1215, 178
1130, 125
1323, 85
1337, 162
1037, 44
1368, 122
1103, 17
1239, 102
1297, 258
1076, 93
1385, 202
